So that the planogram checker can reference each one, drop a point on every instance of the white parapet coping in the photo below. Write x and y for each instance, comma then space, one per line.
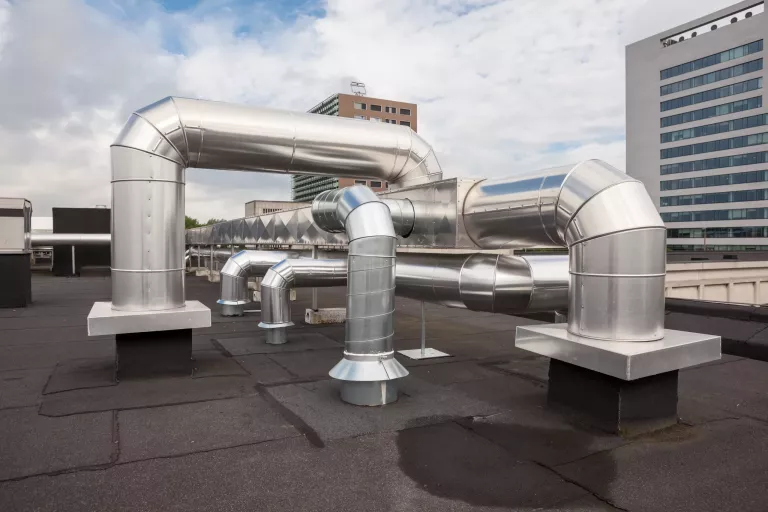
626, 360
103, 320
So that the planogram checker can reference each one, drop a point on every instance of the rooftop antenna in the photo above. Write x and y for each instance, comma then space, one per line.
358, 88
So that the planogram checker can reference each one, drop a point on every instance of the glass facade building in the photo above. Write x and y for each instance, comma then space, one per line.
697, 133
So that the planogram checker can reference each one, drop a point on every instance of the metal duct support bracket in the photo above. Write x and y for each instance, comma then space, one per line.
369, 369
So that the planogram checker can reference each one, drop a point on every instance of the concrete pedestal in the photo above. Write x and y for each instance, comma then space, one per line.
619, 386
16, 279
154, 354
625, 407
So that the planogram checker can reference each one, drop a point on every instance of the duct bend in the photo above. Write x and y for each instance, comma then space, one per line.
486, 282
234, 276
284, 275
616, 241
161, 140
369, 367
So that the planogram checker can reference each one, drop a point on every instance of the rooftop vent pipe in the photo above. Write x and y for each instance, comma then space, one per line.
615, 237
162, 139
368, 368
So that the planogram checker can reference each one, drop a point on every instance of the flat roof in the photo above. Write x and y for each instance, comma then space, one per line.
261, 427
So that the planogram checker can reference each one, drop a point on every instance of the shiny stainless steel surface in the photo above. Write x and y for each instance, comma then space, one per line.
485, 282
46, 239
289, 273
621, 359
368, 347
615, 237
15, 225
161, 140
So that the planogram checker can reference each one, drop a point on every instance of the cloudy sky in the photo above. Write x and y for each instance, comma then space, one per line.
501, 85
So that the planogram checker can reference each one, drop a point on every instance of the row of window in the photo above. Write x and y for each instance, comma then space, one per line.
715, 111
713, 94
735, 196
388, 121
678, 247
715, 76
736, 178
714, 215
716, 145
712, 60
377, 108
372, 184
713, 129
745, 232
759, 157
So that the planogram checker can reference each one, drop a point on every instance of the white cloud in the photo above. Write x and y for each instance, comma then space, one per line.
499, 83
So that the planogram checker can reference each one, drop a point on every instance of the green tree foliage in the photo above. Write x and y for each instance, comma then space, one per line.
190, 223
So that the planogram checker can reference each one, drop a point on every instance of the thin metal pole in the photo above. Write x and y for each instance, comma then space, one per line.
198, 257
314, 290
210, 262
423, 331
74, 268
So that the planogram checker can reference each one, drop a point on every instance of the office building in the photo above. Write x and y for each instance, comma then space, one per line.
263, 207
697, 128
305, 188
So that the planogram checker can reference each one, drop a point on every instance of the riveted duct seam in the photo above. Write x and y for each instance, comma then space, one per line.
159, 141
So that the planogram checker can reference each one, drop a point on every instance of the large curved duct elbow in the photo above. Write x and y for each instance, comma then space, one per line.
368, 368
162, 139
615, 236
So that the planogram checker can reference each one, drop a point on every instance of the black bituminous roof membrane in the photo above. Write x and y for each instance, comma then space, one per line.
261, 428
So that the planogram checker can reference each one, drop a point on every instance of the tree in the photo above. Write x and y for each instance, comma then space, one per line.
190, 223
214, 221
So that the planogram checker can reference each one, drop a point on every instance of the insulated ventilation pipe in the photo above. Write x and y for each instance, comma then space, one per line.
369, 368
276, 290
615, 237
162, 139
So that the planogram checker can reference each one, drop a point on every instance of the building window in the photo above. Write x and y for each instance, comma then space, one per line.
713, 94
712, 60
717, 110
405, 111
715, 215
715, 128
391, 110
715, 145
736, 178
405, 123
376, 184
735, 196
359, 106
715, 76
759, 157
361, 182
375, 108
359, 117
730, 232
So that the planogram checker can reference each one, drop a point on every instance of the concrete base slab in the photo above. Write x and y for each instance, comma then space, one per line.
200, 272
627, 360
428, 353
154, 354
325, 316
214, 277
103, 320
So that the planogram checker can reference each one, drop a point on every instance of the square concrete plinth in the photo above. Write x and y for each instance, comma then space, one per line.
627, 360
103, 320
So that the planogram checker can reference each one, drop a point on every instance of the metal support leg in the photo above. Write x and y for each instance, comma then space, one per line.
423, 352
314, 290
74, 267
198, 257
210, 262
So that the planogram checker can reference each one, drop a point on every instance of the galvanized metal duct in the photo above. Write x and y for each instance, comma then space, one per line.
52, 239
368, 368
486, 282
161, 140
276, 290
616, 240
234, 276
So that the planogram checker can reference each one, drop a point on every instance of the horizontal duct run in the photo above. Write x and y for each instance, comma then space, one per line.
54, 239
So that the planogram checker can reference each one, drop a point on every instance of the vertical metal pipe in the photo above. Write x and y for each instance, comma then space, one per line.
314, 290
423, 331
74, 267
